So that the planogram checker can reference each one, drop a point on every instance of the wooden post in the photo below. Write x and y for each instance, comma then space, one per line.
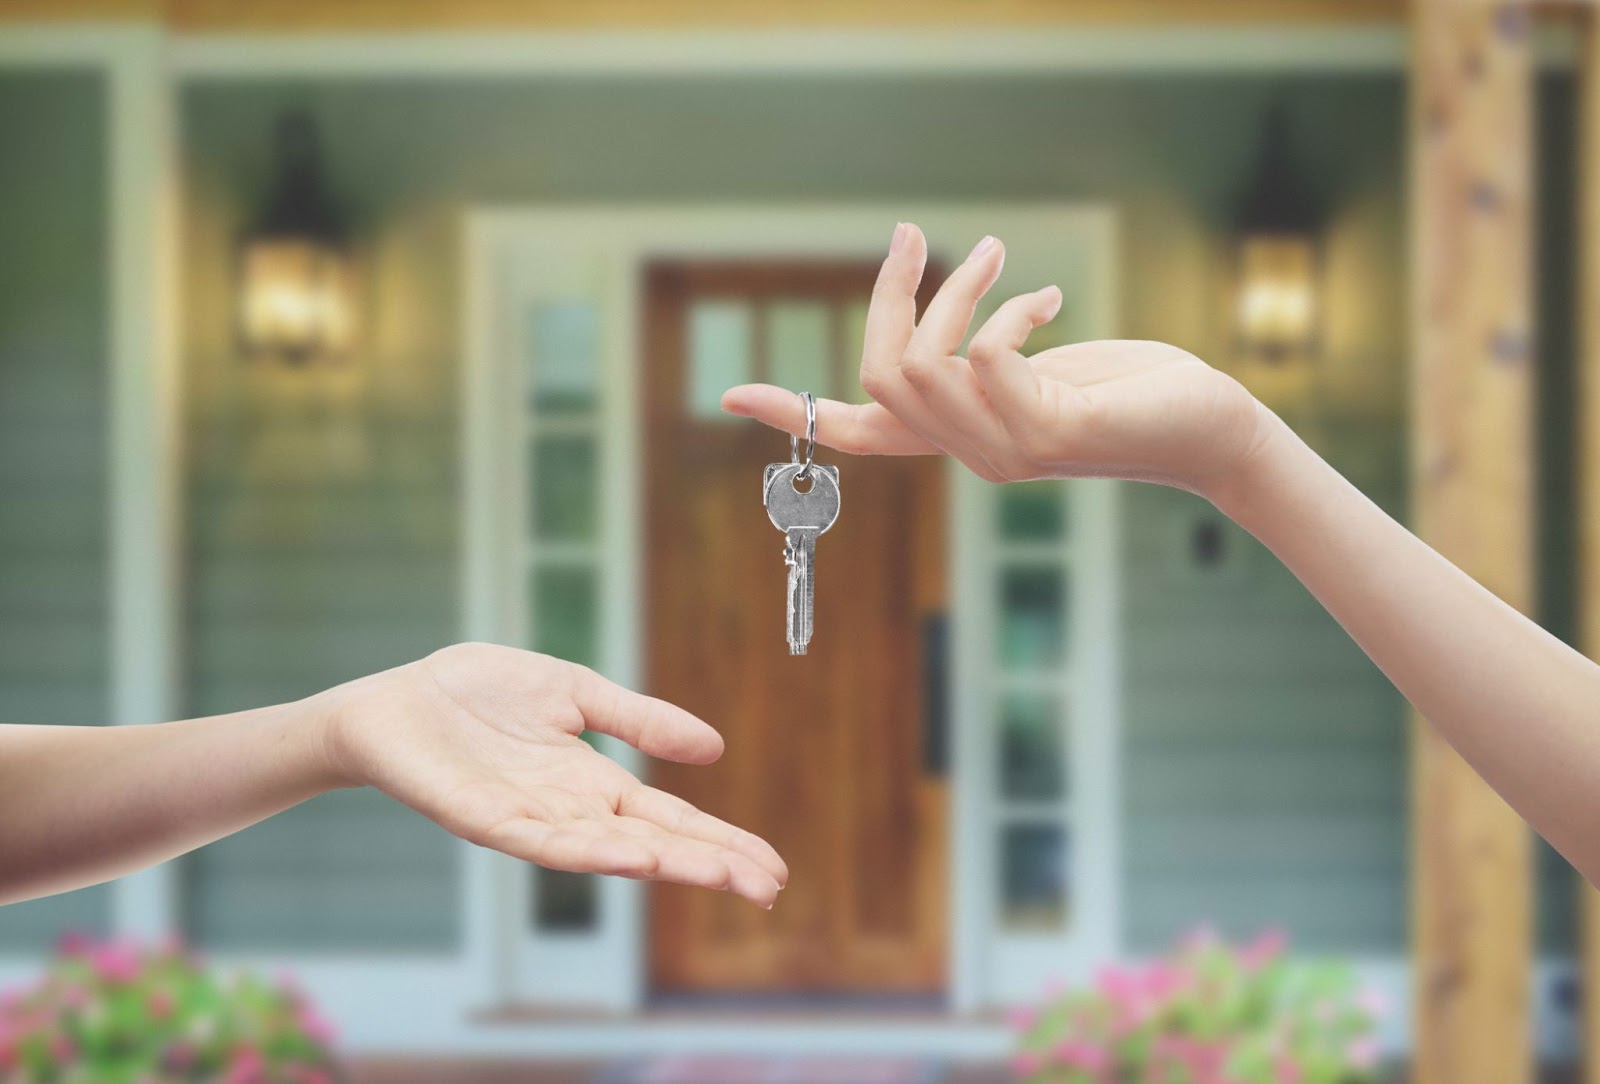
1588, 468
1473, 498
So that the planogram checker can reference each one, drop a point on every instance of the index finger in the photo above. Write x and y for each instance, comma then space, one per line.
852, 428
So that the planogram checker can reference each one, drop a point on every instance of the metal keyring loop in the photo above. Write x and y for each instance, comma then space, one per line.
811, 438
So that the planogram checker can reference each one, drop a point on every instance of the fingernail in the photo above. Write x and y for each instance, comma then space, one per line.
898, 241
983, 246
1055, 305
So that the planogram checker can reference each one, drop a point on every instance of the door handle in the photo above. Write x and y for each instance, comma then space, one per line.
936, 695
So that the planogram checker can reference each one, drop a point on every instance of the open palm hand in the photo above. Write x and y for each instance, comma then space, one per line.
485, 741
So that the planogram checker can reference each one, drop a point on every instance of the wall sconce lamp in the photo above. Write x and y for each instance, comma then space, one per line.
296, 299
1277, 259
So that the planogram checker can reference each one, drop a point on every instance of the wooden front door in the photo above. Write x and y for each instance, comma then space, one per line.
833, 756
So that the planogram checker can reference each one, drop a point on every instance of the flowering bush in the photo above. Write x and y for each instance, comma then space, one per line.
118, 1014
1211, 1014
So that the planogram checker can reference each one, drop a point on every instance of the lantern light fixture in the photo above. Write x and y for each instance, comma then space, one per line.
1277, 258
296, 284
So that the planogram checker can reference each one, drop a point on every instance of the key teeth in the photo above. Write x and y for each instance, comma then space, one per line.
797, 649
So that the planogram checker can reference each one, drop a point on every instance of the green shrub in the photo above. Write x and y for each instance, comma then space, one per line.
1209, 1014
116, 1013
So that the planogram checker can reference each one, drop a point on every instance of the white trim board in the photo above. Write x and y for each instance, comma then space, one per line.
1264, 48
142, 390
969, 51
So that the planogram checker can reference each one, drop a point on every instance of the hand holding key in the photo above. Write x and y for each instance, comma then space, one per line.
1119, 408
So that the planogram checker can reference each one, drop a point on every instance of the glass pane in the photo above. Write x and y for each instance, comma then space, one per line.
1033, 512
719, 354
566, 614
565, 902
1033, 626
799, 350
1033, 876
855, 332
565, 366
1030, 747
564, 488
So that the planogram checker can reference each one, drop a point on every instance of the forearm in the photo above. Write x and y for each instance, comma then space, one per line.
1519, 705
79, 805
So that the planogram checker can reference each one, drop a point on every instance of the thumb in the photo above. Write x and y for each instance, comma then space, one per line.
650, 725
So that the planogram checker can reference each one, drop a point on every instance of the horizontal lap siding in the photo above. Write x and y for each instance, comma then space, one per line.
1264, 754
322, 536
53, 499
348, 871
298, 584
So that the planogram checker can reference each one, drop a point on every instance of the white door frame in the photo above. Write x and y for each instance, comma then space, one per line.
597, 252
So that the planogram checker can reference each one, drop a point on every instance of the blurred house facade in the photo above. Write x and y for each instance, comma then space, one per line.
1134, 722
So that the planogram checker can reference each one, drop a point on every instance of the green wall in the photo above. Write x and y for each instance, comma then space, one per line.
1265, 769
53, 297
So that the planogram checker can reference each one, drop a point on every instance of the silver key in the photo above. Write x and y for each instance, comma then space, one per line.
802, 517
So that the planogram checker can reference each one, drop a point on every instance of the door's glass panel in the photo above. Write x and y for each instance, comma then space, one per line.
565, 362
799, 347
564, 488
1033, 512
855, 332
565, 902
719, 354
1032, 617
1030, 747
1033, 876
566, 613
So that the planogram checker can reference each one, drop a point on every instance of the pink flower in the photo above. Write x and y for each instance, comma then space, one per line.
62, 1049
1026, 1064
74, 943
316, 1026
117, 962
1363, 1053
247, 1067
159, 1004
1023, 1018
1093, 1058
1205, 1059
1163, 980
1286, 1071
1263, 950
1373, 1003
1118, 985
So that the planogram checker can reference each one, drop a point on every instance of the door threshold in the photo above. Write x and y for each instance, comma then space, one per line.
724, 1009
831, 1003
552, 1031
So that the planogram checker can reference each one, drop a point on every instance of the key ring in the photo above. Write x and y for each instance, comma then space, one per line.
803, 475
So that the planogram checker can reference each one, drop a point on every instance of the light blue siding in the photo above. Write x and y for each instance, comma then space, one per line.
53, 518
